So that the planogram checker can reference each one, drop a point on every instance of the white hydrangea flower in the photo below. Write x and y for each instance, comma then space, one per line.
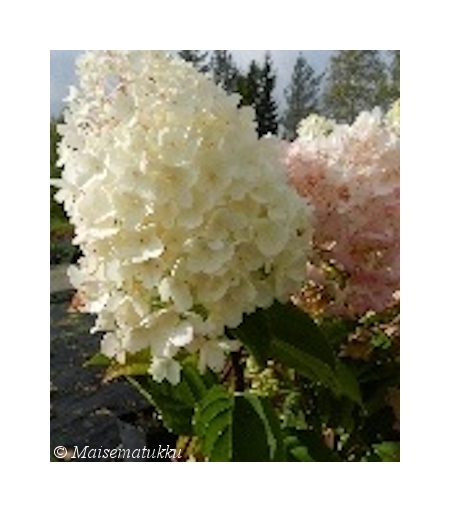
163, 368
186, 219
393, 117
315, 126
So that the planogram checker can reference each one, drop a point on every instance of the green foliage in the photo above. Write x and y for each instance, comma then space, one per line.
61, 251
266, 105
320, 408
97, 359
357, 81
387, 452
308, 446
394, 75
238, 428
197, 58
286, 334
59, 225
254, 333
292, 325
302, 96
248, 85
224, 70
213, 424
347, 382
175, 403
256, 88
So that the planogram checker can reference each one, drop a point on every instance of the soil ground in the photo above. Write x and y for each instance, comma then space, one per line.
85, 411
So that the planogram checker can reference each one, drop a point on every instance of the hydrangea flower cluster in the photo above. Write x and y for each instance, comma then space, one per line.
186, 219
351, 174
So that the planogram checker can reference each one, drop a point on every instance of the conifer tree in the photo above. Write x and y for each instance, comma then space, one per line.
266, 105
248, 84
197, 58
356, 81
395, 74
301, 96
224, 70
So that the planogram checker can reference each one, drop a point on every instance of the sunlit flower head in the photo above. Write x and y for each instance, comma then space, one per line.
185, 218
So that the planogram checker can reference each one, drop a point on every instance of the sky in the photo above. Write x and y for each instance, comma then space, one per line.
62, 69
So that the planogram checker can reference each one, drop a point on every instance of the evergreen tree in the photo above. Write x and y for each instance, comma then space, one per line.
248, 85
356, 81
301, 96
266, 105
197, 58
395, 74
256, 88
224, 70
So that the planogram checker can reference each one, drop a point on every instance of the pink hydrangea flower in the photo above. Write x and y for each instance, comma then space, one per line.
351, 175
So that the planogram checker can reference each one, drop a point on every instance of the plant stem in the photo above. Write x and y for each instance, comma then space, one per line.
239, 383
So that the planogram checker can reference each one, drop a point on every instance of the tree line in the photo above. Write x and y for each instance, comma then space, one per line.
355, 80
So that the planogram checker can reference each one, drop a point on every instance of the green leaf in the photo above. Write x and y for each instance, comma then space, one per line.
257, 435
135, 364
195, 381
278, 453
287, 334
254, 333
292, 325
305, 364
292, 414
250, 443
299, 343
239, 428
308, 446
388, 451
372, 458
298, 453
287, 323
381, 340
348, 383
336, 330
174, 403
213, 423
114, 371
97, 359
